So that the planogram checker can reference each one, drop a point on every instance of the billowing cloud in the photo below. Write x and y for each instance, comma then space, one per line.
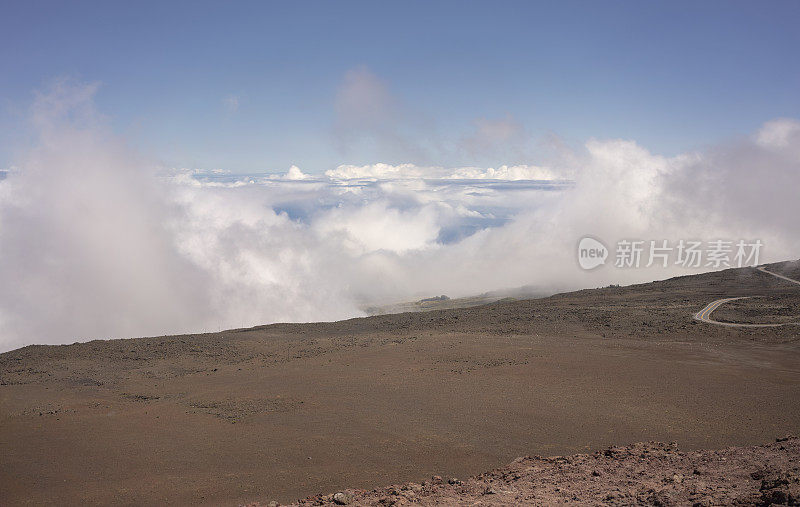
85, 250
382, 171
295, 174
779, 133
378, 227
378, 171
98, 242
504, 172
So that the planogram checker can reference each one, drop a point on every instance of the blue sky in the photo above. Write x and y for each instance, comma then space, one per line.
253, 87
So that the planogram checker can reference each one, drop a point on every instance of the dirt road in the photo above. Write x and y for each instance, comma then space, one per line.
704, 315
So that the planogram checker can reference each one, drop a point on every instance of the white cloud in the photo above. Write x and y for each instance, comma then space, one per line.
97, 245
779, 133
383, 171
376, 227
504, 172
378, 171
295, 174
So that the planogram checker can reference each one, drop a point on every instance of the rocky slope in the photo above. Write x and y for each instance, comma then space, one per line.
639, 474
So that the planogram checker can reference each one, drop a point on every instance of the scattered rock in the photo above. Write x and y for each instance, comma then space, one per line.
341, 498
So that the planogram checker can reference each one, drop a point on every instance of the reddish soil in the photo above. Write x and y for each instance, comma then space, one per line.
640, 474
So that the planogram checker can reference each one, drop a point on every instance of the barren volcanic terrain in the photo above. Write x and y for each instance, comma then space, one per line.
285, 411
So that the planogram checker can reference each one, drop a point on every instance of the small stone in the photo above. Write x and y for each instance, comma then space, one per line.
453, 480
775, 496
341, 498
273, 504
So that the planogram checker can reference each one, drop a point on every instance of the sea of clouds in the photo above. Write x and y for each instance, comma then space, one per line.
97, 241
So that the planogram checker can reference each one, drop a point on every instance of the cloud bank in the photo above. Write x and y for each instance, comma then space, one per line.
98, 242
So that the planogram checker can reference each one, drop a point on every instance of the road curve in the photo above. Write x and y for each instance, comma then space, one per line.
763, 270
704, 315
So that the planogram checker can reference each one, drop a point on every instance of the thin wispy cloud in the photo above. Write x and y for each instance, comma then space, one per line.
371, 118
496, 139
231, 103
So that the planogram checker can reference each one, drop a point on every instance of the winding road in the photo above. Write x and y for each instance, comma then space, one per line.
704, 315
